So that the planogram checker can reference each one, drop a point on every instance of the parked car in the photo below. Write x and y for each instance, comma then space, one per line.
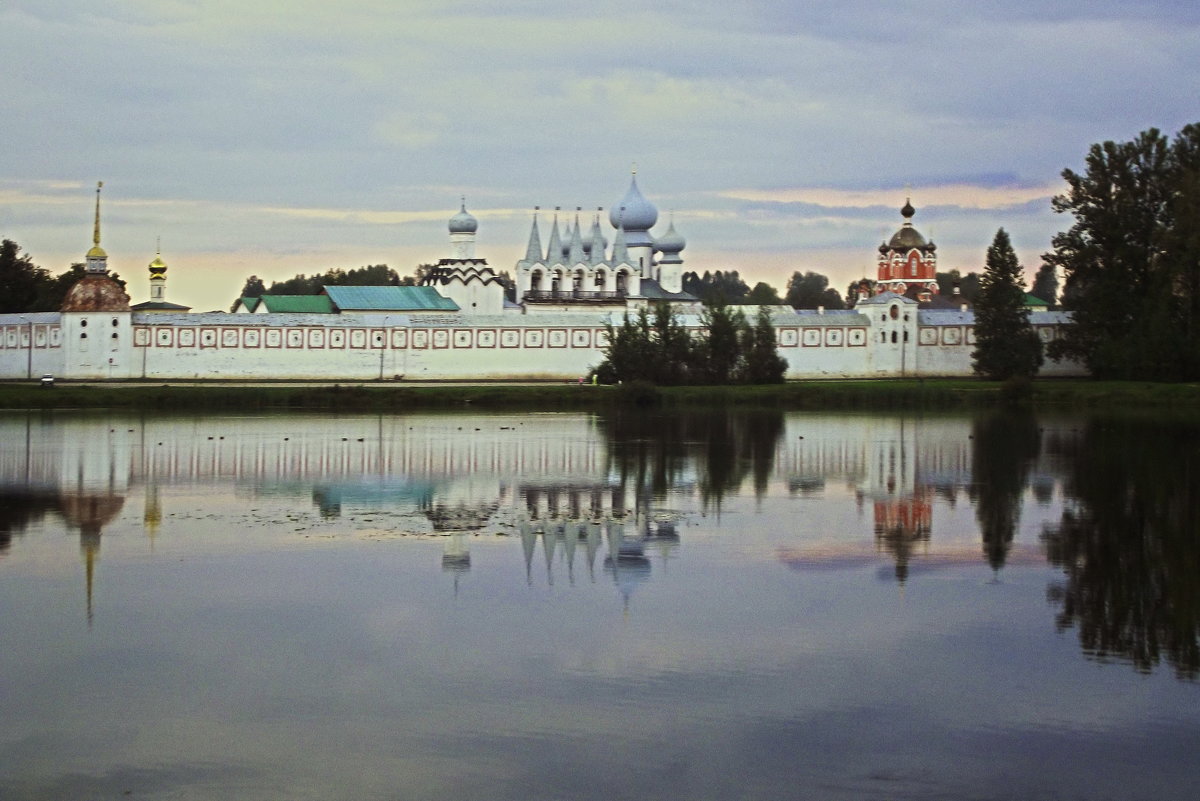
47, 380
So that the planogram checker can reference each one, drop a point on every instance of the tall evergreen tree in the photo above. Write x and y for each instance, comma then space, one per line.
764, 365
1005, 343
720, 344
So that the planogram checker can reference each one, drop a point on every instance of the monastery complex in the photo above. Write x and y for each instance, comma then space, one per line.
458, 325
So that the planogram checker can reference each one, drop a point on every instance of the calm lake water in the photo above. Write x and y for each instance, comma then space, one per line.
572, 606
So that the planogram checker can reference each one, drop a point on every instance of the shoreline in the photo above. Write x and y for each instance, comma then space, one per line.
831, 394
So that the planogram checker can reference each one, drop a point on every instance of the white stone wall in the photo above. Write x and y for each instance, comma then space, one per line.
874, 341
17, 332
98, 345
946, 340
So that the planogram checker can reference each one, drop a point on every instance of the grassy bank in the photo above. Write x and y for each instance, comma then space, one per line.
942, 394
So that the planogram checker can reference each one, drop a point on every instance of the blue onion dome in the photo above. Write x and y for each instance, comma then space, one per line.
463, 222
633, 212
671, 241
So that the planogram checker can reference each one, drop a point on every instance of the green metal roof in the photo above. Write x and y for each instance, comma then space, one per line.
1034, 300
250, 304
298, 304
389, 298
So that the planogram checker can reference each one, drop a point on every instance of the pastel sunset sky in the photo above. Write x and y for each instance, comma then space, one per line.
273, 138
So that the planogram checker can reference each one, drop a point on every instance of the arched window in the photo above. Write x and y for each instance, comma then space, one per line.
893, 337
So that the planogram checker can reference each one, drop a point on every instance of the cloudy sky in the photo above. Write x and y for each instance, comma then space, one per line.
272, 138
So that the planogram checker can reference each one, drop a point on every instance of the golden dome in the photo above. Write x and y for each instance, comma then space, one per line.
158, 266
96, 252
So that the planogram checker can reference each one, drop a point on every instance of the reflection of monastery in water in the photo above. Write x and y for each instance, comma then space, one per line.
897, 467
545, 478
588, 494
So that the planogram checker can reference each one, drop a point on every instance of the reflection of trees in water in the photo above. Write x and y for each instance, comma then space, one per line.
20, 509
1005, 446
1129, 545
652, 452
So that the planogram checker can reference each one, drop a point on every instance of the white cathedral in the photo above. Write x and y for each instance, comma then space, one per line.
575, 273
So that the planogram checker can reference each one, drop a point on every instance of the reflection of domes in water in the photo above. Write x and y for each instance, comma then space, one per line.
90, 513
629, 567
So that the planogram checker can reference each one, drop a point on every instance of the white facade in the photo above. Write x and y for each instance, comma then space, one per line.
560, 336
869, 342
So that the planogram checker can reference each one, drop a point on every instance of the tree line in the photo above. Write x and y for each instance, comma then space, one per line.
26, 287
1132, 258
658, 349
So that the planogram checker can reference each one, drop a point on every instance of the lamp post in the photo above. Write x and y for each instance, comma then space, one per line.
29, 349
383, 345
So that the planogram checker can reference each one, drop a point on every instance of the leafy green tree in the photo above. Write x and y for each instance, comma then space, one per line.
673, 353
809, 290
1132, 258
763, 294
720, 287
1005, 343
1045, 284
628, 356
764, 365
55, 292
22, 283
852, 291
253, 288
968, 285
659, 350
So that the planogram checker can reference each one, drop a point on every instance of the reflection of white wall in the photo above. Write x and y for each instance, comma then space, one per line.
83, 455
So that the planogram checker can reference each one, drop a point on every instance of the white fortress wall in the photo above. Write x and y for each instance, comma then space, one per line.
30, 344
366, 346
853, 344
